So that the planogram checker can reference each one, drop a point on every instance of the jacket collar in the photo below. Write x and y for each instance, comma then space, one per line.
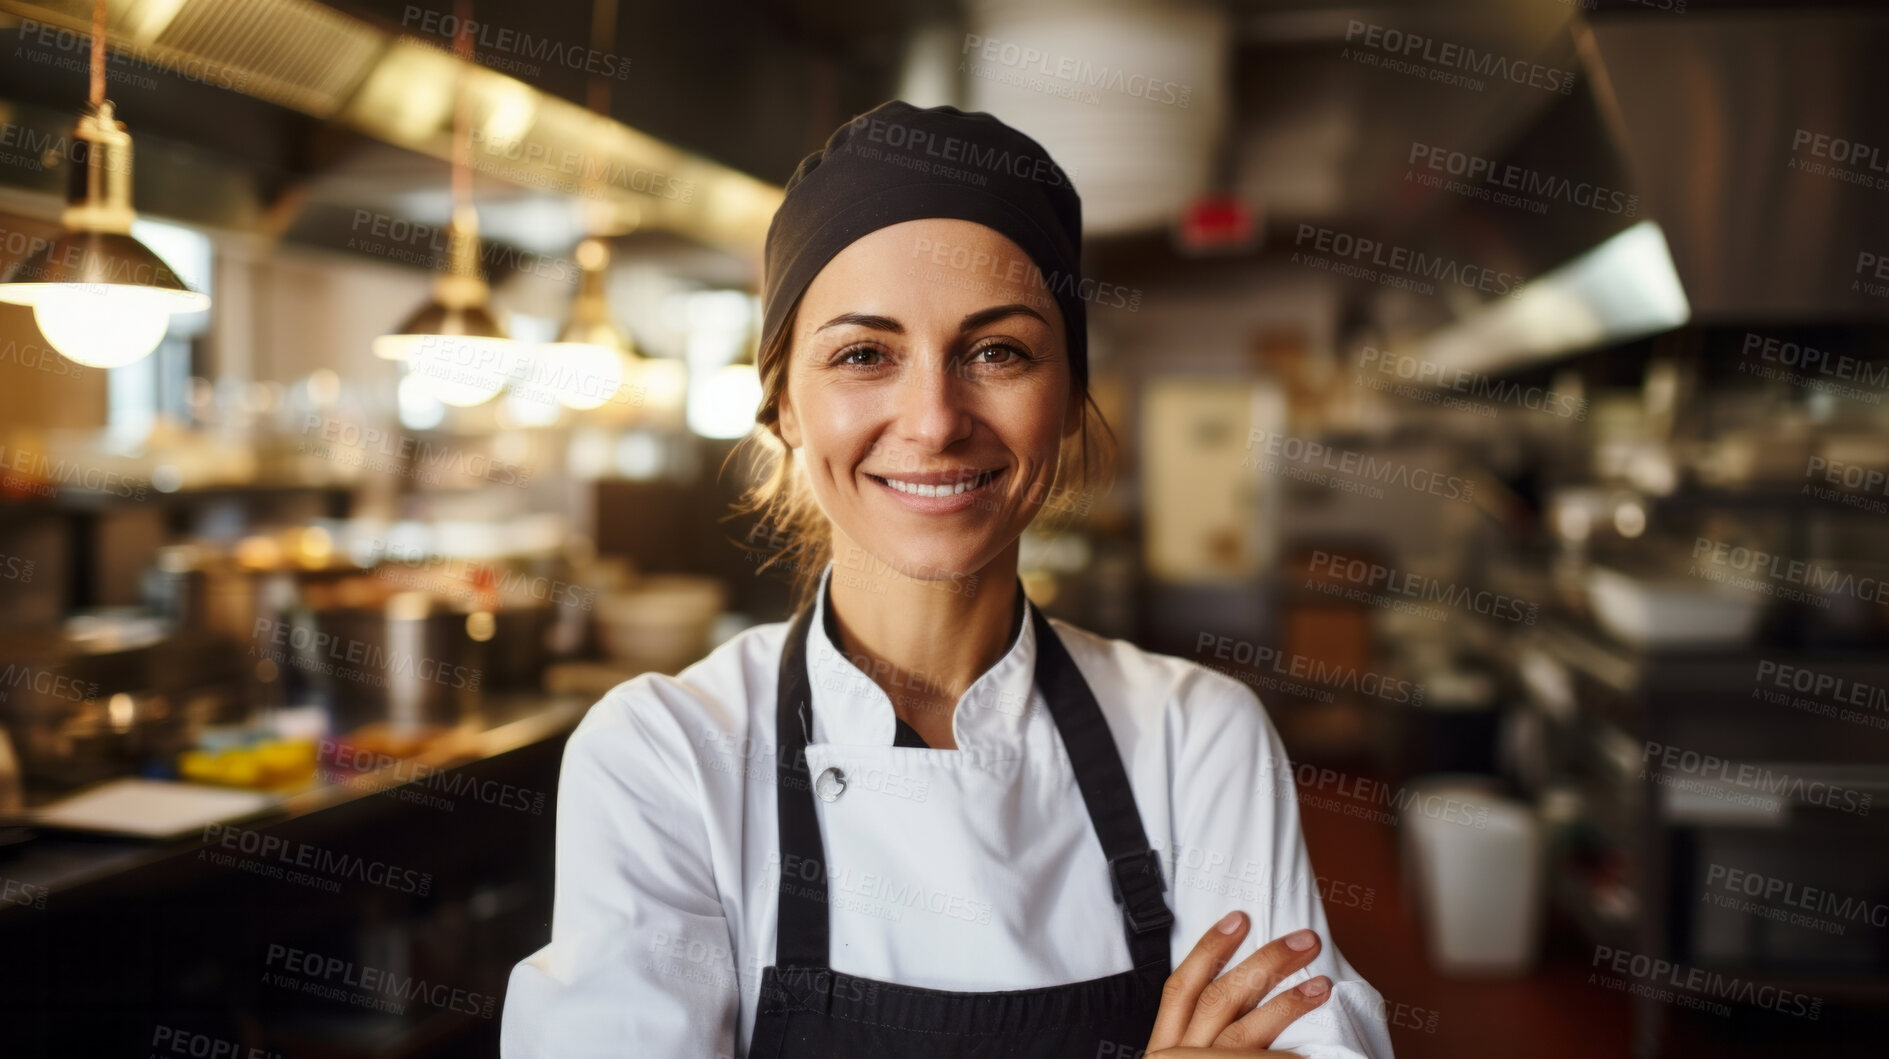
851, 709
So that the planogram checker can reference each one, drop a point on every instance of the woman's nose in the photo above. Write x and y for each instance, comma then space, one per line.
932, 409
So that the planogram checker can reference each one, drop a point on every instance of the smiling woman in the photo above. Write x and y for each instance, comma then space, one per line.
969, 389
921, 818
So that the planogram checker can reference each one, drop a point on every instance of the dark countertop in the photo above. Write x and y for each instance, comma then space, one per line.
54, 861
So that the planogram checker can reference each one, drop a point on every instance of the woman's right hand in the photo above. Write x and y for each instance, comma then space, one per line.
1202, 1015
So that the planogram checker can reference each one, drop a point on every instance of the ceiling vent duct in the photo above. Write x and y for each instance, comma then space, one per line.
1130, 98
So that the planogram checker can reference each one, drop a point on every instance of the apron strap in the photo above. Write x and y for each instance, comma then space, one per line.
1134, 866
801, 917
801, 911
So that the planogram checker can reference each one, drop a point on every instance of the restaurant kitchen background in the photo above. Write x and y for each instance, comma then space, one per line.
1499, 386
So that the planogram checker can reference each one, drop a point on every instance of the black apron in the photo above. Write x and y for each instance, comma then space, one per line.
809, 1010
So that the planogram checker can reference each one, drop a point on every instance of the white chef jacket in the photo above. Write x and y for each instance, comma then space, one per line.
974, 869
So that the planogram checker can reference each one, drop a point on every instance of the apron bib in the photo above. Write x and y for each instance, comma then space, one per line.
808, 1010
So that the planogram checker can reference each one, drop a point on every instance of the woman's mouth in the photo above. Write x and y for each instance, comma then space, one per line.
939, 493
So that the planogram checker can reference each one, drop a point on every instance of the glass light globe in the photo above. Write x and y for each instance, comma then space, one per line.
581, 374
106, 325
724, 407
419, 409
660, 384
464, 371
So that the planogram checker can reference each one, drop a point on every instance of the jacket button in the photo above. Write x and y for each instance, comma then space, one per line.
830, 784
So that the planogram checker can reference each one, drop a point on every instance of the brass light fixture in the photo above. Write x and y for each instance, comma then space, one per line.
99, 296
589, 358
453, 342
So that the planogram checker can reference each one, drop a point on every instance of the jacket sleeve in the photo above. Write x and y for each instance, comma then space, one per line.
1237, 845
640, 959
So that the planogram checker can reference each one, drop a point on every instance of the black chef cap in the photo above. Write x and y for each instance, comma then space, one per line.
897, 163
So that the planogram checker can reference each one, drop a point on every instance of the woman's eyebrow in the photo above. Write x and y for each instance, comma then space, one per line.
877, 323
973, 321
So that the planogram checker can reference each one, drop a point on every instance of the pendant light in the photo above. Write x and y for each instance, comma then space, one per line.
453, 342
99, 296
587, 361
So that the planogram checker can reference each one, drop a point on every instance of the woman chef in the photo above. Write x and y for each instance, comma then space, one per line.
921, 819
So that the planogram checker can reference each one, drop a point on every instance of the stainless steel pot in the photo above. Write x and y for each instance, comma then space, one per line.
410, 663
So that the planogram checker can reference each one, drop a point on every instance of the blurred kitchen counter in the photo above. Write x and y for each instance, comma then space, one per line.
437, 866
54, 861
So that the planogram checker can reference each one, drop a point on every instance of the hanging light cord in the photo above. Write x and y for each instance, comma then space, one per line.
98, 53
462, 163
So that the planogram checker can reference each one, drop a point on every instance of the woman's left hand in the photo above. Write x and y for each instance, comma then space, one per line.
1203, 1016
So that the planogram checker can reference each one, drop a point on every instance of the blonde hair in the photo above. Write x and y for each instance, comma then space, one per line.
784, 502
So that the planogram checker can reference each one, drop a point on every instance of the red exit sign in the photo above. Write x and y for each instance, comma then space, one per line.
1218, 224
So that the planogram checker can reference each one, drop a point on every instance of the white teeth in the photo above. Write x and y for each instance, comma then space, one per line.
919, 489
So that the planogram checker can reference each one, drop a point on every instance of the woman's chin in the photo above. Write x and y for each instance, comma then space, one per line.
947, 566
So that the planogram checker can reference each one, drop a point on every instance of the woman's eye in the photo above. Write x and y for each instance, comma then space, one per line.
859, 356
999, 354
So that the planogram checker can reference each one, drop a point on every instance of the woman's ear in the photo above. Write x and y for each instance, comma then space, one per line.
789, 422
1072, 414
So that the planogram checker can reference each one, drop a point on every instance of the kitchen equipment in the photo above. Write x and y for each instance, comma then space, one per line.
1671, 610
519, 646
1478, 864
660, 622
111, 694
411, 662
